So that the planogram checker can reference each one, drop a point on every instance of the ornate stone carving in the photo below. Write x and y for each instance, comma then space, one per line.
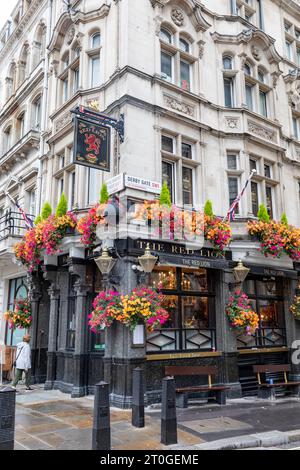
70, 35
201, 45
232, 122
177, 16
261, 131
294, 94
256, 53
63, 121
178, 105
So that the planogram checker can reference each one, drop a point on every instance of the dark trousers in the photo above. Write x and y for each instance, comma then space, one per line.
18, 376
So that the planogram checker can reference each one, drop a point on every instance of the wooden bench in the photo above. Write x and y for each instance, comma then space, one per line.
218, 391
267, 390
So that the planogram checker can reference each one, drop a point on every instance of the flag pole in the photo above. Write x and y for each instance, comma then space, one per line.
239, 196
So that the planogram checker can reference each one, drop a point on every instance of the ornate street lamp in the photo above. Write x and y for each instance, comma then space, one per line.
105, 262
147, 261
240, 272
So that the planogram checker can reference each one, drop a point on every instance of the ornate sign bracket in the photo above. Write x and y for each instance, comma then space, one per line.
98, 118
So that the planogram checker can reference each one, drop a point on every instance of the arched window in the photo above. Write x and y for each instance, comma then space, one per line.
95, 40
94, 56
165, 35
21, 126
37, 113
261, 75
23, 65
247, 70
11, 81
7, 141
227, 62
184, 45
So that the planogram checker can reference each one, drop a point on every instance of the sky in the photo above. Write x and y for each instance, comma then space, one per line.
6, 7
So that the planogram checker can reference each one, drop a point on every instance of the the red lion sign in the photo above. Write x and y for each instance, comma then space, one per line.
93, 143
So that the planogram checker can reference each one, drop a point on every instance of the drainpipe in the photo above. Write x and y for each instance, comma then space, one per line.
44, 114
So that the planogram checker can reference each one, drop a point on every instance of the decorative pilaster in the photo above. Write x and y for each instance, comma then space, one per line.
77, 268
54, 294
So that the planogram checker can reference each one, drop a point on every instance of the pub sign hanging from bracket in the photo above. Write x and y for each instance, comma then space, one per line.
92, 137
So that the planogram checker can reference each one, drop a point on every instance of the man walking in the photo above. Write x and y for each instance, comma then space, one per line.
23, 362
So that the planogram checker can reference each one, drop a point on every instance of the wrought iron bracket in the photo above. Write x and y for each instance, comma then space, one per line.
98, 118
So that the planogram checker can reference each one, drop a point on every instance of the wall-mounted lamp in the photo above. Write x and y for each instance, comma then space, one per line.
105, 262
240, 272
147, 261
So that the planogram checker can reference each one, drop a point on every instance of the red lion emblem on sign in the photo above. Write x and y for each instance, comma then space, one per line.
93, 143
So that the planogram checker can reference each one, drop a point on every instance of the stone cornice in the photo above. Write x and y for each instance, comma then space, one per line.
290, 6
21, 27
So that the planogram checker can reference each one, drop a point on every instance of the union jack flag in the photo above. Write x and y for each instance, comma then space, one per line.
232, 209
28, 221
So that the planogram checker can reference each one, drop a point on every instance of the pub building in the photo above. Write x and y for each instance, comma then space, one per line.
196, 284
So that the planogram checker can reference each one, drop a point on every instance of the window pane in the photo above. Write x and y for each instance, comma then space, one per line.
96, 40
166, 66
247, 69
295, 128
167, 175
195, 312
232, 162
76, 80
165, 36
167, 144
249, 97
227, 63
187, 185
184, 75
95, 78
254, 198
233, 191
194, 280
269, 201
228, 92
65, 89
267, 171
163, 278
252, 164
263, 103
170, 303
186, 150
184, 45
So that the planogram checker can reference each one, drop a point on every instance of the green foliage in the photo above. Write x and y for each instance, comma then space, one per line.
104, 196
263, 214
46, 211
284, 219
165, 197
38, 219
62, 206
208, 209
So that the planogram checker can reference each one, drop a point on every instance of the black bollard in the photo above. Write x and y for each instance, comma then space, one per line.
168, 412
7, 417
101, 424
138, 406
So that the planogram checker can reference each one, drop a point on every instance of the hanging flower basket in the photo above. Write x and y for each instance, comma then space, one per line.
141, 305
276, 238
240, 314
295, 307
21, 317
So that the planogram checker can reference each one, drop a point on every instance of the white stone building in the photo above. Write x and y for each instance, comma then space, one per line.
210, 90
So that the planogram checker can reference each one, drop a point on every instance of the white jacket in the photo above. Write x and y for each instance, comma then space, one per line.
23, 356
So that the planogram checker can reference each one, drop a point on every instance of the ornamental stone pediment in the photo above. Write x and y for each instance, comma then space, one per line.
184, 7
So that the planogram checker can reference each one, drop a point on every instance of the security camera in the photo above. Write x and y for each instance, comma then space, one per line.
135, 268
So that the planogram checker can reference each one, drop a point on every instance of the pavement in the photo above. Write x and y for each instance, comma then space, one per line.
51, 420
